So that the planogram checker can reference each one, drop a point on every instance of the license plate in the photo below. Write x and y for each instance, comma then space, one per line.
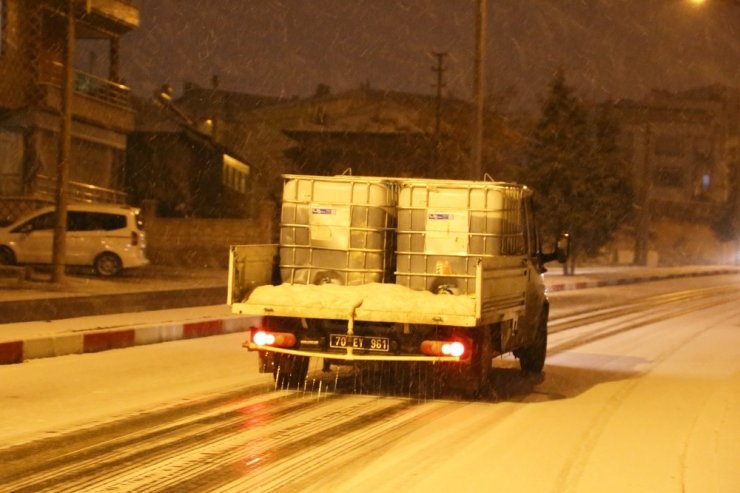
359, 342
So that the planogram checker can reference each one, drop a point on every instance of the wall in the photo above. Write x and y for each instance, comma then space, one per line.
671, 243
684, 244
202, 242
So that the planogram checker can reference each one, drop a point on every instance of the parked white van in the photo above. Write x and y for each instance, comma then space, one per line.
105, 236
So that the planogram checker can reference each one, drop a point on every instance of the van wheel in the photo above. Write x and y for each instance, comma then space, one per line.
289, 370
532, 357
107, 264
6, 256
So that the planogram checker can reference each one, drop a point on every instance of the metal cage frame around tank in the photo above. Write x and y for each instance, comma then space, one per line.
368, 255
502, 232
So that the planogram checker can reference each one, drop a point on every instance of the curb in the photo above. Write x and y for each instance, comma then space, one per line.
102, 340
564, 286
106, 304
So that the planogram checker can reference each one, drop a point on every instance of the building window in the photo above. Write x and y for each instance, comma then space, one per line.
668, 177
626, 142
235, 174
670, 145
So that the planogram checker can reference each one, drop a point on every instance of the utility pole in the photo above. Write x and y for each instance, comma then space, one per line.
642, 226
476, 168
439, 69
65, 148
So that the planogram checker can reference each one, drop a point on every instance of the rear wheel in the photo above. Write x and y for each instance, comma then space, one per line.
289, 370
107, 264
532, 357
473, 378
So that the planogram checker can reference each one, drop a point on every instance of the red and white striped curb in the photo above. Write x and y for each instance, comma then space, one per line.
103, 340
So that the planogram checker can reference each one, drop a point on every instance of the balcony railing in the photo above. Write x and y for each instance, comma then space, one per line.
88, 85
45, 187
102, 89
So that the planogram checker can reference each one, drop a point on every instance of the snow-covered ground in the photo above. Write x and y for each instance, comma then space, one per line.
651, 406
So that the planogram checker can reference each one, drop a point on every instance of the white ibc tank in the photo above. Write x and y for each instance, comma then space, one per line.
337, 229
446, 226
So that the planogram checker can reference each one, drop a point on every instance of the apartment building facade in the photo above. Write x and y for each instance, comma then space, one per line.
682, 147
32, 36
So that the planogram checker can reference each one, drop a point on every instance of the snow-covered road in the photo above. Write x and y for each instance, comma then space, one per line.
645, 400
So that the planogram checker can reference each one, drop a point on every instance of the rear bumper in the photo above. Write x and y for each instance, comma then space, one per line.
134, 259
352, 356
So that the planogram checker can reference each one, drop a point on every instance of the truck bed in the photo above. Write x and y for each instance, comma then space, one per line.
252, 292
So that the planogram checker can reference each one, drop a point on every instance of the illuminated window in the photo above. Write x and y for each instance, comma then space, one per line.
235, 174
706, 182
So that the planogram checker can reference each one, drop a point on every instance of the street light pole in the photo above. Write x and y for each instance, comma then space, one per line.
476, 170
65, 149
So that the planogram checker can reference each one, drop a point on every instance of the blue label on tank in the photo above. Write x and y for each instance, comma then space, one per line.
323, 211
440, 217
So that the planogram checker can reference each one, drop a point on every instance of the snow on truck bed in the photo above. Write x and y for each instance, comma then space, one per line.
375, 297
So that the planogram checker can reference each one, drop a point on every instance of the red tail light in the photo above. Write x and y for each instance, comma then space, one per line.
444, 348
275, 339
134, 238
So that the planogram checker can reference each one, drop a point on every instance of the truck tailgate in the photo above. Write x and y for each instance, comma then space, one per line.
500, 285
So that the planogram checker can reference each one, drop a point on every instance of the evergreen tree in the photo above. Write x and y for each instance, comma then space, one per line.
581, 185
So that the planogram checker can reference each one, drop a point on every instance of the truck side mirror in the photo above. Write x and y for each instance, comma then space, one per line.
562, 250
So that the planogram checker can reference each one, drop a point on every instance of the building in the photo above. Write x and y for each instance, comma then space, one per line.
392, 133
683, 149
181, 170
370, 131
32, 35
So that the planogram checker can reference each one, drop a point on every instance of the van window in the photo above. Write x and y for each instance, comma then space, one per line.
109, 222
42, 222
94, 221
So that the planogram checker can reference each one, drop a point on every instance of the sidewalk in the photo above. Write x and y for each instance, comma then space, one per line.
147, 288
597, 277
37, 339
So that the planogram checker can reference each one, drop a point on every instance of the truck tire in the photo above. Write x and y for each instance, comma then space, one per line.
532, 357
289, 371
473, 378
480, 368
